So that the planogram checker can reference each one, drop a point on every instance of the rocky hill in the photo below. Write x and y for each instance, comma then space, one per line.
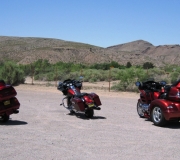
26, 50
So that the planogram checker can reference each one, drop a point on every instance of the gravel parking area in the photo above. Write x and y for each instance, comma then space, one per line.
44, 130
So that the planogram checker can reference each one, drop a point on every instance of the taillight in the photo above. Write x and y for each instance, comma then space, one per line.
178, 86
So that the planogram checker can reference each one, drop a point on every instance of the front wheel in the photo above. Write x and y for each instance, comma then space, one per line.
158, 117
89, 113
139, 110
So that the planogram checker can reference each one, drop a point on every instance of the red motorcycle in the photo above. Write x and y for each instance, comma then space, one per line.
9, 104
77, 101
158, 101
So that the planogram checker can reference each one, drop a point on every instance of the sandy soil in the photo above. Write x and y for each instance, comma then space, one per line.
44, 130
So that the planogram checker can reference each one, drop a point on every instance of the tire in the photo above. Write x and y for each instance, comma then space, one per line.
139, 110
89, 113
5, 118
72, 112
157, 117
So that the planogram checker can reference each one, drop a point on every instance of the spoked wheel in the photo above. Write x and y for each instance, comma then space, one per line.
5, 118
158, 117
89, 113
139, 110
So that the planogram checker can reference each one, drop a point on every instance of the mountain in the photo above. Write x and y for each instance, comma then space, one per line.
25, 50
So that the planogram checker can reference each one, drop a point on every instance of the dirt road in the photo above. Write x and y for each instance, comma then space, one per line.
44, 130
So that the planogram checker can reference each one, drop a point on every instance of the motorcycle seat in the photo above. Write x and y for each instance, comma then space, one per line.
81, 95
167, 88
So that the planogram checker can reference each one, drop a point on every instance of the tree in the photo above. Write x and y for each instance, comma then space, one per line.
128, 65
148, 65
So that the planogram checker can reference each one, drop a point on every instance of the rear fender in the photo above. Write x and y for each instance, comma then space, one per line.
165, 107
162, 103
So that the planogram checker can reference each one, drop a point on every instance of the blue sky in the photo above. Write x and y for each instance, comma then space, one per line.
98, 22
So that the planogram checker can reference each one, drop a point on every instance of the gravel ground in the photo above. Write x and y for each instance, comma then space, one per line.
44, 130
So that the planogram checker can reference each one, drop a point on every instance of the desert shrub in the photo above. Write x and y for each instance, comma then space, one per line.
12, 74
93, 79
26, 68
74, 75
142, 74
121, 86
127, 77
114, 74
106, 66
174, 77
157, 71
171, 68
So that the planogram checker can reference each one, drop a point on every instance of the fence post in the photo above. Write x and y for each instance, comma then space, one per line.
32, 74
110, 77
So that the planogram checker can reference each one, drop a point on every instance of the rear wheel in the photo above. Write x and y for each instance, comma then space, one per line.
158, 117
89, 113
5, 118
139, 110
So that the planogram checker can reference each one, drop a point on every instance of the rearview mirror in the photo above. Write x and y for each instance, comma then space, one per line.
162, 83
138, 84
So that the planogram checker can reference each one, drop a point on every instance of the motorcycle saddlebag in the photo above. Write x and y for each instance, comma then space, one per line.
96, 99
78, 104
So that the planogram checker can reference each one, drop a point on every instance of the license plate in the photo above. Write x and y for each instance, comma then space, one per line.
6, 103
90, 105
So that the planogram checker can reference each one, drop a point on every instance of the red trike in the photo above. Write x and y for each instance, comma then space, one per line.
158, 101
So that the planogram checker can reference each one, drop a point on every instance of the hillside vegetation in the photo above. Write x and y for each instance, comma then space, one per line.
124, 75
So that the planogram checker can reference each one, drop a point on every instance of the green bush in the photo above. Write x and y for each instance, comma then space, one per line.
174, 77
12, 74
